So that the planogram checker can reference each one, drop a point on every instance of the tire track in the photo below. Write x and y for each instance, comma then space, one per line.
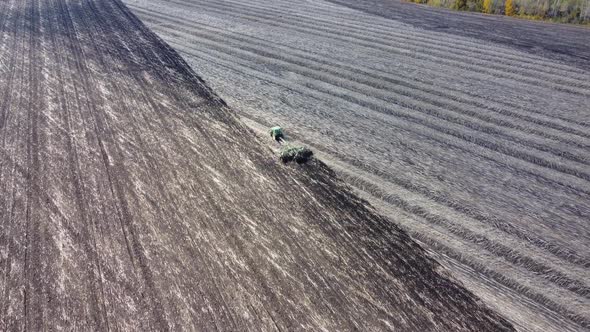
98, 14
98, 288
92, 281
4, 16
74, 170
17, 299
7, 93
10, 248
124, 215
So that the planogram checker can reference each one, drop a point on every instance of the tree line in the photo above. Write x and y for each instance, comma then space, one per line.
567, 11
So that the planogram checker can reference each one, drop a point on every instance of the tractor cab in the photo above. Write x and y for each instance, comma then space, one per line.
276, 133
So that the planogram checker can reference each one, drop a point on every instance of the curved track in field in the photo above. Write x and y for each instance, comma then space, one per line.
133, 199
479, 150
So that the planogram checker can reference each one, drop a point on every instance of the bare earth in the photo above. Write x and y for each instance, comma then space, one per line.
472, 132
131, 198
563, 42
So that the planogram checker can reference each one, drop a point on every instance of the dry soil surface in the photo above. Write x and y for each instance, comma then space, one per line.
475, 143
131, 198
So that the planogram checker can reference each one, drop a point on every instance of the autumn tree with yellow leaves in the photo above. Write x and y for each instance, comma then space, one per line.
509, 8
487, 6
571, 11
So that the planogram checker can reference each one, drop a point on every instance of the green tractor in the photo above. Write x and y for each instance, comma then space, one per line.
290, 152
277, 133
